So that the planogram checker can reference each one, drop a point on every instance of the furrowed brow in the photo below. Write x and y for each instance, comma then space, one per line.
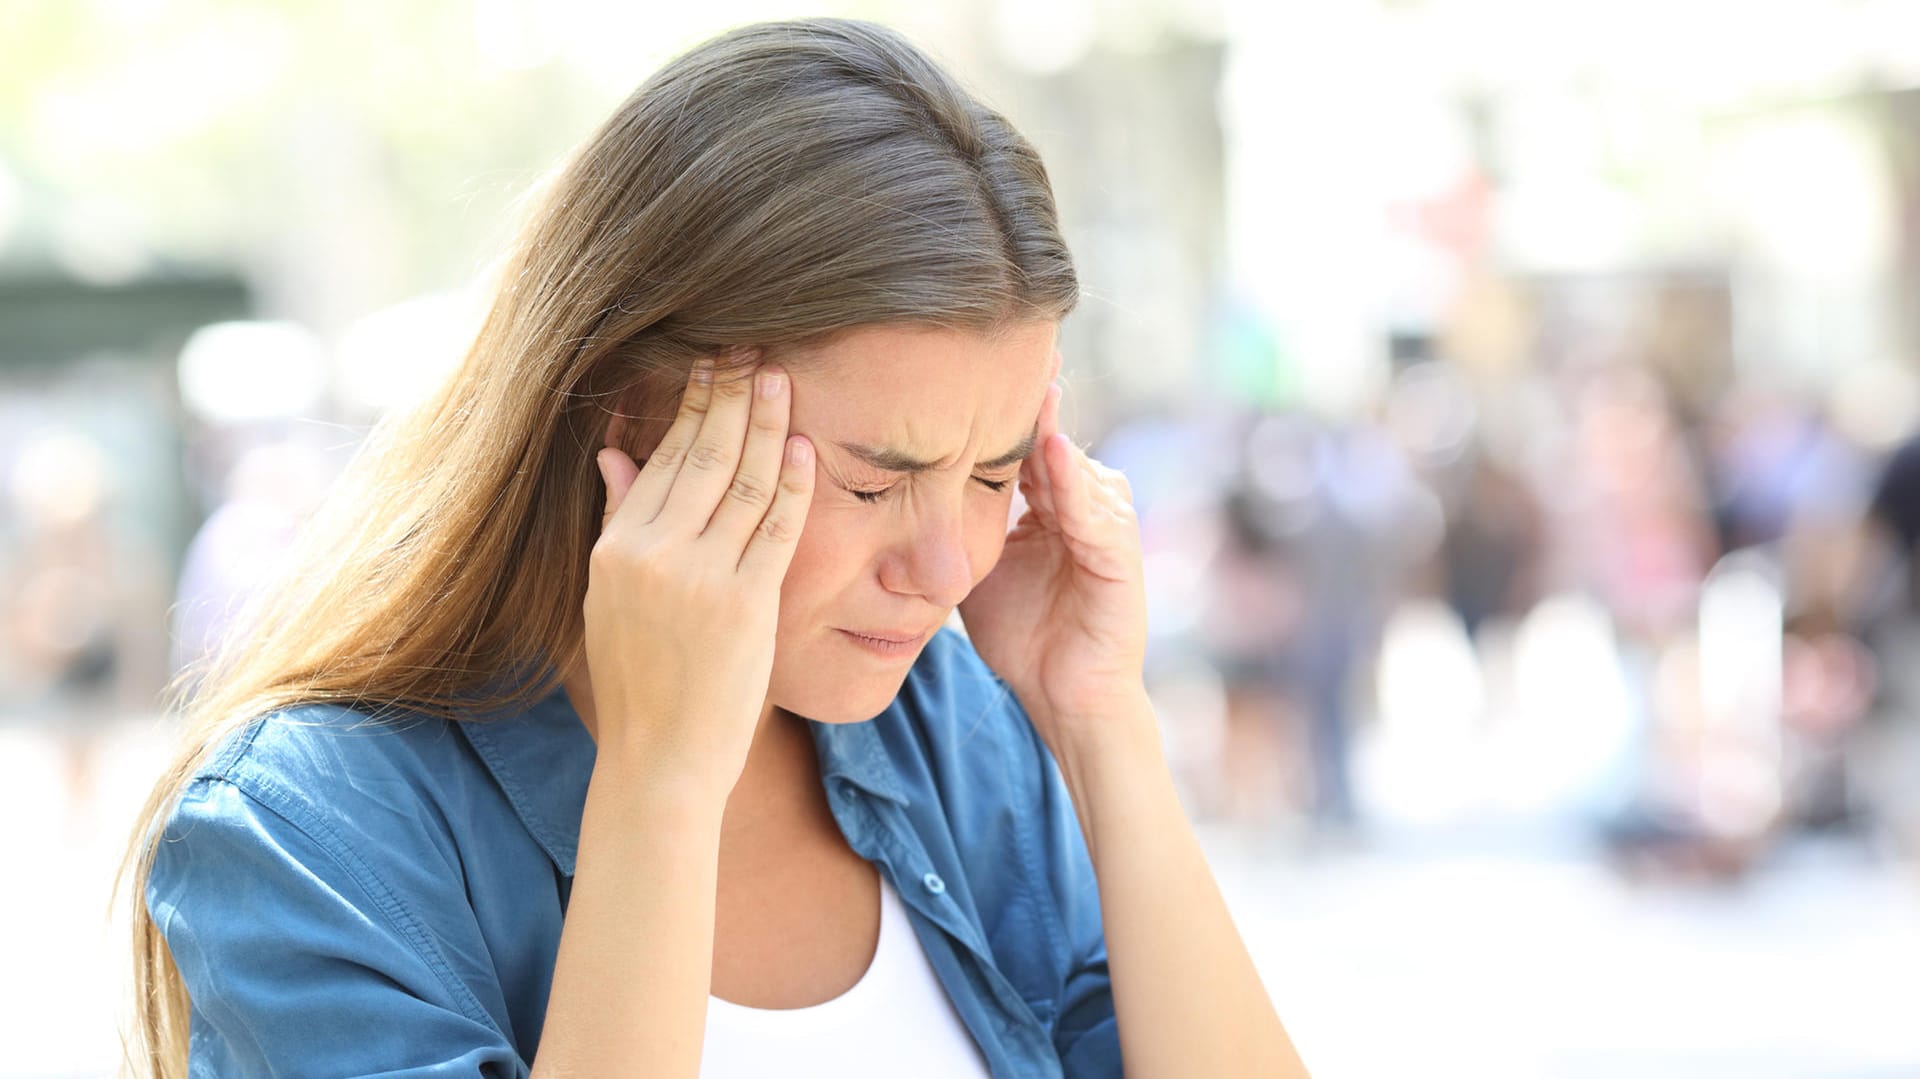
1015, 455
887, 459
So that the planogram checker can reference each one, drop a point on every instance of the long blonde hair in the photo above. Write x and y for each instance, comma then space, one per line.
773, 186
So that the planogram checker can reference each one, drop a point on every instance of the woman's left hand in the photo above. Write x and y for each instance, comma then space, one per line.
1062, 618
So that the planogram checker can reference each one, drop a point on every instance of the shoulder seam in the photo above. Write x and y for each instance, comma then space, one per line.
293, 809
221, 764
237, 745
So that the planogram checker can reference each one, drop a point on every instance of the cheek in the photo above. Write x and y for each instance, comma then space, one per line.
986, 538
832, 547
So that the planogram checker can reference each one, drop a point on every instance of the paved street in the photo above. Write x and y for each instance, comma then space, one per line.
1480, 953
1484, 959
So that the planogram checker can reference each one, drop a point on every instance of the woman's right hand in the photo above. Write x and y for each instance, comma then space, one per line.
683, 586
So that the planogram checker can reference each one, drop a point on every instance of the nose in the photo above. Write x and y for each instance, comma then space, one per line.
933, 563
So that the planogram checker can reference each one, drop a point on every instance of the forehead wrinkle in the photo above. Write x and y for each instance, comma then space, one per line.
894, 459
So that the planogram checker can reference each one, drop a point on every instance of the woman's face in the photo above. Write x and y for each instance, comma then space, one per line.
918, 435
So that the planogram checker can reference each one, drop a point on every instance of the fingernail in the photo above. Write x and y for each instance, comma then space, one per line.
703, 371
770, 384
797, 450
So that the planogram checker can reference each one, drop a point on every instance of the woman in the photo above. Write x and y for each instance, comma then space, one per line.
611, 728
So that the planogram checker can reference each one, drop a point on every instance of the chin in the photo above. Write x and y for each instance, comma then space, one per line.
849, 701
837, 708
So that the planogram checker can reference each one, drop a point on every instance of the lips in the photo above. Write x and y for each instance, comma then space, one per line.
891, 636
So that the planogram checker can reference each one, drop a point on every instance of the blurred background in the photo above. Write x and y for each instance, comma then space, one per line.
1519, 395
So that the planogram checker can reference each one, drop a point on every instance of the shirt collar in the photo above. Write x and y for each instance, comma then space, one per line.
542, 757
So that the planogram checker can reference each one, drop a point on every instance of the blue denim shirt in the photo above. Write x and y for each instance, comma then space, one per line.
346, 897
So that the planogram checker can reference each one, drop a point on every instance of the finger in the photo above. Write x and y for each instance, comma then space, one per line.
617, 472
649, 492
1030, 489
1032, 474
1073, 497
1097, 526
770, 551
1065, 484
715, 454
1088, 493
754, 482
1042, 494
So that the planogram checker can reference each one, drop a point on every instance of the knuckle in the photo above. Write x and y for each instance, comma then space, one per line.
611, 559
619, 549
708, 455
732, 386
667, 456
748, 490
776, 528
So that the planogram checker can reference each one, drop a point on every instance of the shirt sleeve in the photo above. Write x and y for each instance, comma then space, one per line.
299, 960
1085, 1033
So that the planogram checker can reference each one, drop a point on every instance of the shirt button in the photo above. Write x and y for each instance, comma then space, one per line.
934, 883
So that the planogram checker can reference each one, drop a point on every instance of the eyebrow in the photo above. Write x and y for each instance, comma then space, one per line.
891, 460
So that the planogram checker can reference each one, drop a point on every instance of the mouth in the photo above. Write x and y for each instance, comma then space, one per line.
886, 642
888, 636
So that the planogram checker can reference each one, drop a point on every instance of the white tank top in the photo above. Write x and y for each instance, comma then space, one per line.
896, 1020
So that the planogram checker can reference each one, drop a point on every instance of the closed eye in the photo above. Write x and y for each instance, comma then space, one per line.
877, 494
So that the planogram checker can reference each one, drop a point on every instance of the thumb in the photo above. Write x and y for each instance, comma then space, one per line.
618, 472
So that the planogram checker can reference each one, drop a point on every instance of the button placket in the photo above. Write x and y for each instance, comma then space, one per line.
877, 831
